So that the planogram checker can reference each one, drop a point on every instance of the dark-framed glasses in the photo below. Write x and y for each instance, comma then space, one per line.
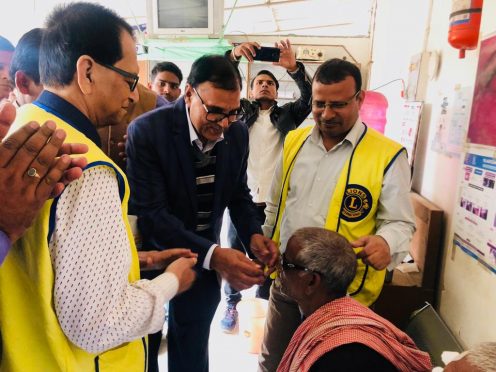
285, 265
334, 105
130, 78
215, 116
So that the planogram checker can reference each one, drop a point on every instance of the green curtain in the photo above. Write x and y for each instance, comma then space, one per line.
184, 49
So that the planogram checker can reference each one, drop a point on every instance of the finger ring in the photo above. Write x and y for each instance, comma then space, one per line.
32, 172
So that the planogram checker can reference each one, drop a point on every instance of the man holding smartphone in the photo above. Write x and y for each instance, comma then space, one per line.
268, 123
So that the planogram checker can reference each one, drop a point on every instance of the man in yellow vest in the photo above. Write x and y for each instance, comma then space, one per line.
346, 177
70, 294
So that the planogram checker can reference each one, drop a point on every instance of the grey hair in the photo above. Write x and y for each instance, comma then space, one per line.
483, 356
329, 254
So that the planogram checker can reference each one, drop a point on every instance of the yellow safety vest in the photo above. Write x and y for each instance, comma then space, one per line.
32, 338
353, 206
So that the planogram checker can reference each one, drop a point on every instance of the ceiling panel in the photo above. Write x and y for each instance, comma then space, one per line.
299, 17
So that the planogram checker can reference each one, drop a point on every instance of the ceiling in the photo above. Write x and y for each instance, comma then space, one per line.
333, 18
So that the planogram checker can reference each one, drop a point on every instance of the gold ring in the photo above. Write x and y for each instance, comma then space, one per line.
32, 172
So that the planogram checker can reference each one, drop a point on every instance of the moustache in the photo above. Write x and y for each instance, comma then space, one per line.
214, 127
330, 122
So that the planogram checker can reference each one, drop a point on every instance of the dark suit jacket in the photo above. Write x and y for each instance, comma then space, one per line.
162, 181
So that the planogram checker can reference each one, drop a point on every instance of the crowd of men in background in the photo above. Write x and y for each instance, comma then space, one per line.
324, 208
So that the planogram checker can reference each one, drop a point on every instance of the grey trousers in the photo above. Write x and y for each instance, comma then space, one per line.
283, 317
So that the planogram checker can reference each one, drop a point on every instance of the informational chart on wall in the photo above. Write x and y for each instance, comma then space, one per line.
409, 127
475, 213
452, 123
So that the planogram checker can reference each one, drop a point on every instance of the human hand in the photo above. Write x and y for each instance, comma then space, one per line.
157, 260
72, 172
265, 250
7, 117
239, 271
287, 58
375, 251
247, 50
36, 149
182, 268
121, 146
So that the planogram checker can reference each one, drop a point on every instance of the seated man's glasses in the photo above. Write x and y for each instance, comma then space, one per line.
215, 114
335, 105
130, 79
285, 265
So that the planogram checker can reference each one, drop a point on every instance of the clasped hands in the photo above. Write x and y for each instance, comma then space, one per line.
241, 272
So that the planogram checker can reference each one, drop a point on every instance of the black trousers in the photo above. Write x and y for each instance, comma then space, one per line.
190, 316
154, 341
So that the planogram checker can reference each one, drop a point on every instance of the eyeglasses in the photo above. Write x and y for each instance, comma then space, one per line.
126, 75
285, 265
335, 105
214, 117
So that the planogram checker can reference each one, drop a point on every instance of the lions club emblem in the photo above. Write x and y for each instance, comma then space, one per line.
356, 204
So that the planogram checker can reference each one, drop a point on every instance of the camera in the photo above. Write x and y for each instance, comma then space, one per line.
269, 54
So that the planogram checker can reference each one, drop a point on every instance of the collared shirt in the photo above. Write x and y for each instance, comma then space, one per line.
313, 181
91, 257
69, 113
5, 244
265, 148
193, 137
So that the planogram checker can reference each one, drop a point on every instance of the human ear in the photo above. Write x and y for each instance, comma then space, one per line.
22, 82
188, 92
313, 283
85, 67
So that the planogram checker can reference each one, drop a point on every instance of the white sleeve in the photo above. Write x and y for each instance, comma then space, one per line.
395, 218
97, 308
272, 202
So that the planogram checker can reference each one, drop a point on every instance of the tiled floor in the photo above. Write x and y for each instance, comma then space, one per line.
230, 352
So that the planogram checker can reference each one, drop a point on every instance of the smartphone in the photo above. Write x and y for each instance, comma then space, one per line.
267, 54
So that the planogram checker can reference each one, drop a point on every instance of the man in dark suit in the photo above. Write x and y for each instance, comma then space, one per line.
185, 168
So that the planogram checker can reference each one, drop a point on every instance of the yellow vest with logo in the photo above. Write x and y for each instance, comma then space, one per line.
353, 206
32, 339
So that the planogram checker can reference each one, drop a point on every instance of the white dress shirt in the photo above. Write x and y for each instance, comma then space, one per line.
96, 306
313, 181
265, 148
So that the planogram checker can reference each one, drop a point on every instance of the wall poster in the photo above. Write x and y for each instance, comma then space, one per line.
475, 212
409, 127
482, 127
451, 126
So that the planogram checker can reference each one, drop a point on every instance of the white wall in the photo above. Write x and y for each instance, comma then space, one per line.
468, 297
20, 16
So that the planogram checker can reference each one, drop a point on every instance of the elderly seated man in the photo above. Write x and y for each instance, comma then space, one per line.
338, 333
481, 358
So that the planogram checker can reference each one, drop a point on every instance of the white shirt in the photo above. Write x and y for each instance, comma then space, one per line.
96, 306
313, 181
265, 148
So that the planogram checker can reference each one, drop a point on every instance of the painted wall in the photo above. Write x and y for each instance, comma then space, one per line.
467, 298
34, 12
